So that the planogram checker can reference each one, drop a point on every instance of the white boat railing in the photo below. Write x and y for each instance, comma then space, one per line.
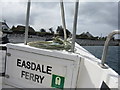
63, 20
105, 49
27, 22
75, 25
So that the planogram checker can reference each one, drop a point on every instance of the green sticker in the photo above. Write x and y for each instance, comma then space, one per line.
58, 81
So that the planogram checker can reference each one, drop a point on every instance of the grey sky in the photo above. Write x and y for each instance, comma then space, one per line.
95, 17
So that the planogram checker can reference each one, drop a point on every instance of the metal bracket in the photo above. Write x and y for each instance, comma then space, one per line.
4, 75
103, 66
8, 54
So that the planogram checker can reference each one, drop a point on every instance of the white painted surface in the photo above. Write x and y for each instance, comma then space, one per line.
2, 60
92, 74
0, 83
63, 64
81, 70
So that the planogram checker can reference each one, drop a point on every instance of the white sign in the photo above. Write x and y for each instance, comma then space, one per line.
32, 70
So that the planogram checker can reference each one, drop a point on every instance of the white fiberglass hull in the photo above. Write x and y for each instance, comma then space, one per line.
71, 70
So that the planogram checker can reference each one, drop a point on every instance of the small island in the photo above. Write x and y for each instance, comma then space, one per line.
16, 35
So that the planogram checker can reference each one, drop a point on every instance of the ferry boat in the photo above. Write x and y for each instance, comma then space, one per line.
54, 65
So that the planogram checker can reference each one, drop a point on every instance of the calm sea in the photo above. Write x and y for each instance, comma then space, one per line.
113, 57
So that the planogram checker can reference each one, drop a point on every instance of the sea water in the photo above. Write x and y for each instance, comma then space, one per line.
113, 55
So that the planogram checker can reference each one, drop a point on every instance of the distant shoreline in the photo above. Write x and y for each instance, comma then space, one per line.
83, 42
87, 42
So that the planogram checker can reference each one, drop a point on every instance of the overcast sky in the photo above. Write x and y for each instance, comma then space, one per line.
98, 18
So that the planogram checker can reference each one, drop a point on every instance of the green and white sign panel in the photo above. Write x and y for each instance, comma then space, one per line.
57, 81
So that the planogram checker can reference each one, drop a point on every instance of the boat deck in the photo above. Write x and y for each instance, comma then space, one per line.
88, 66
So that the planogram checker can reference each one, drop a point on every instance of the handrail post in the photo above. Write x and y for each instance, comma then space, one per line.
75, 25
27, 22
105, 50
63, 19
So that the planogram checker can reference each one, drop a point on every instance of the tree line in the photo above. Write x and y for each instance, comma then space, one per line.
59, 32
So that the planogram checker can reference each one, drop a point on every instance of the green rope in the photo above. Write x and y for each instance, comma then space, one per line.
56, 44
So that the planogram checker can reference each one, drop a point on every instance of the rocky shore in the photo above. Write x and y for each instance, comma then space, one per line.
19, 38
